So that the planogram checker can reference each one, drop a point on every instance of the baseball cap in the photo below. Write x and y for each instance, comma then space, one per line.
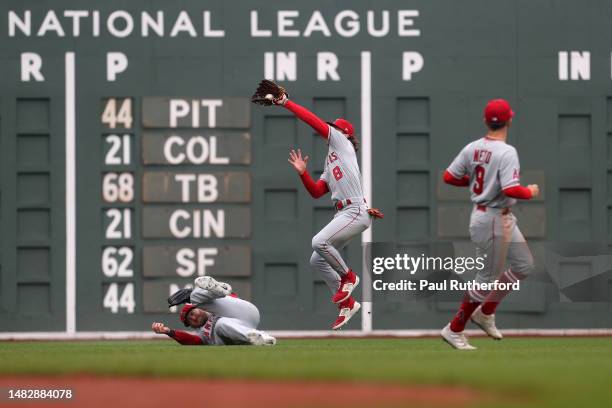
344, 125
498, 111
185, 312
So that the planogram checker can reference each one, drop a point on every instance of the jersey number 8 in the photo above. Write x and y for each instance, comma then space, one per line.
337, 173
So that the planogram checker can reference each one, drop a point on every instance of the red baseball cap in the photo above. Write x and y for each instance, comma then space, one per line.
185, 312
498, 111
344, 125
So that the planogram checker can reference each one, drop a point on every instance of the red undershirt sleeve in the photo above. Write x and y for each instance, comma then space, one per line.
186, 339
520, 192
316, 189
450, 179
310, 118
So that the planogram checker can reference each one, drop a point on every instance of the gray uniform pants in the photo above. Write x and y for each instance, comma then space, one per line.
231, 331
500, 242
227, 307
346, 224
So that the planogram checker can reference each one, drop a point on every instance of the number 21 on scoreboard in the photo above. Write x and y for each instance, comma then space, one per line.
119, 150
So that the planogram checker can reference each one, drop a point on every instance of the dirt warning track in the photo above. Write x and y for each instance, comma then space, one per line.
104, 392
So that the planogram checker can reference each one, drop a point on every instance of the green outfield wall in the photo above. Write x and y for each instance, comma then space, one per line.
131, 160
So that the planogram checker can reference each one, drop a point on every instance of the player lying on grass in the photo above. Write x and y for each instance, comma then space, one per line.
341, 177
218, 316
490, 168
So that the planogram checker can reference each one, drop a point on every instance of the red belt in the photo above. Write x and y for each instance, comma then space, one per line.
340, 204
503, 211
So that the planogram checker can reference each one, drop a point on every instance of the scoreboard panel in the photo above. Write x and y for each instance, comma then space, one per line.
177, 175
170, 211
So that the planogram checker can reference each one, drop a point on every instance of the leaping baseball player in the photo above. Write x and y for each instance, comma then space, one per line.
218, 316
490, 168
341, 177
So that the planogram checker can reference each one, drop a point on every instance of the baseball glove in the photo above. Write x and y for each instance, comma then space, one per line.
376, 213
269, 93
179, 297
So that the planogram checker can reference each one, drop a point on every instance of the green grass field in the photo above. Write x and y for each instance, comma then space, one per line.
540, 372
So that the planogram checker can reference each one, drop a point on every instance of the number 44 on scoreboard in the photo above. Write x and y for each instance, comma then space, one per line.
114, 301
117, 112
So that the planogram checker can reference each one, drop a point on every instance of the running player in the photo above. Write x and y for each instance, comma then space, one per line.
490, 168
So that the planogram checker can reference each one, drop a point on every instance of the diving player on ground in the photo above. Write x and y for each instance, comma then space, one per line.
219, 318
342, 177
490, 168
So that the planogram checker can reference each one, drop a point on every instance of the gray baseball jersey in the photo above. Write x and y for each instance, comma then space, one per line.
341, 172
492, 165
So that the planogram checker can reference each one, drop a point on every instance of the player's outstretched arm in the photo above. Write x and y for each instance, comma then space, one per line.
269, 93
180, 336
454, 181
307, 116
316, 189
